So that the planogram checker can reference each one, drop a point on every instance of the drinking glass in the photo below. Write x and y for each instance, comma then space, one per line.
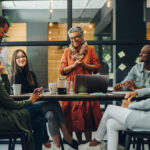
61, 85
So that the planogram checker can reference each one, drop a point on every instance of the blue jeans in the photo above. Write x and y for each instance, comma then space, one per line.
38, 123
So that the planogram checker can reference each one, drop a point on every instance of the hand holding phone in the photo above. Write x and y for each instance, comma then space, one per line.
41, 90
37, 93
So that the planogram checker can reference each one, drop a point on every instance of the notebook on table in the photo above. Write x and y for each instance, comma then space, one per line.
91, 83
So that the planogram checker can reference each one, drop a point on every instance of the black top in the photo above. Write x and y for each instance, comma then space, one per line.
22, 79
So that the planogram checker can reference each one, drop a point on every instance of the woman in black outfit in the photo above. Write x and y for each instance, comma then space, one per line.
21, 74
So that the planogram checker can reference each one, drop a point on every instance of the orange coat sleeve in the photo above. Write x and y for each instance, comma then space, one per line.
64, 61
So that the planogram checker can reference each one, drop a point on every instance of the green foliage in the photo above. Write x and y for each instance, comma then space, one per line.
9, 20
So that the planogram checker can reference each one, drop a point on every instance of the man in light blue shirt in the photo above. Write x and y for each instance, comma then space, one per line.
139, 75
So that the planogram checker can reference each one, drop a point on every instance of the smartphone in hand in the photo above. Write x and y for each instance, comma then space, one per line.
41, 90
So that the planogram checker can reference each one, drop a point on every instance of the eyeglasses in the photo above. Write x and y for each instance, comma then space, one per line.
19, 57
75, 37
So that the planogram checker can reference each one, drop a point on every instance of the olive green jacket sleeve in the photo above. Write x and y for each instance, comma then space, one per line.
6, 82
8, 102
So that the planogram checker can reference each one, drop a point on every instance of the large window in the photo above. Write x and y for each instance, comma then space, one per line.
46, 23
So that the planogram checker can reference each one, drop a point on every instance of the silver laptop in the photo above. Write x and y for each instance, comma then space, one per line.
91, 83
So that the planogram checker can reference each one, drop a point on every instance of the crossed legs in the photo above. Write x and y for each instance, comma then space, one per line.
55, 118
112, 121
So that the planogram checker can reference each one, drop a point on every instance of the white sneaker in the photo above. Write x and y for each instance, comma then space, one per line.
54, 147
87, 147
104, 146
45, 148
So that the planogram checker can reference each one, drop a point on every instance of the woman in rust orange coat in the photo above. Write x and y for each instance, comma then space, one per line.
79, 58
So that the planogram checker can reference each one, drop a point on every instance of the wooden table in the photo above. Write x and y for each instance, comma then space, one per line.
77, 97
74, 97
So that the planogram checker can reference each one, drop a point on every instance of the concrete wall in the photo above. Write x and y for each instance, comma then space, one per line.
38, 55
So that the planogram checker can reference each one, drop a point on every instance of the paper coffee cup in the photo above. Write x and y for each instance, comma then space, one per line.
52, 88
16, 89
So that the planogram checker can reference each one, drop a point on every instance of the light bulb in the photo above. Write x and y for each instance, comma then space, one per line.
51, 10
50, 24
90, 26
108, 3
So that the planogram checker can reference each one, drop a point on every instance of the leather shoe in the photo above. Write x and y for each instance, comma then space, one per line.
74, 143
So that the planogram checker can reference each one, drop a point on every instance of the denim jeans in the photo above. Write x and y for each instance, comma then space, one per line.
38, 123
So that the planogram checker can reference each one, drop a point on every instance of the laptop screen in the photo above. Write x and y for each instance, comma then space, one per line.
91, 83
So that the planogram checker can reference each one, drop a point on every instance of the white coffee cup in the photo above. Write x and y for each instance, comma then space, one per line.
52, 88
16, 89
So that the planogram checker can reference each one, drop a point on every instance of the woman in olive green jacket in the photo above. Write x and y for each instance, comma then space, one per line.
13, 115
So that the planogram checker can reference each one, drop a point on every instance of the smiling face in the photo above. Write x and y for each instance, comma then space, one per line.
21, 59
76, 39
144, 55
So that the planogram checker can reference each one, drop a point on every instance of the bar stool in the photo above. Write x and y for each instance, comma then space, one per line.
139, 136
12, 136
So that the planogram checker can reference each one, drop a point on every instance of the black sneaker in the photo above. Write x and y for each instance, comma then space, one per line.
74, 143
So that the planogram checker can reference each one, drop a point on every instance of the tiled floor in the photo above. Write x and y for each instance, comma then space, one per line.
18, 147
5, 147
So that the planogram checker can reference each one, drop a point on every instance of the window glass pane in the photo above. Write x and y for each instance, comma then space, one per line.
39, 17
57, 32
91, 14
126, 58
105, 54
54, 57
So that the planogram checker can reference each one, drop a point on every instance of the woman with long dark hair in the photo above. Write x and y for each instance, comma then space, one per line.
21, 74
